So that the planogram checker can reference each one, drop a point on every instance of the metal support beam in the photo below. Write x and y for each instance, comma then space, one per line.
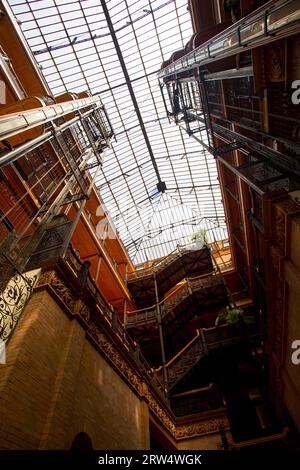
125, 313
80, 210
227, 148
98, 268
111, 134
181, 95
129, 86
205, 109
241, 175
71, 161
277, 160
230, 74
268, 23
161, 337
281, 162
14, 155
12, 124
164, 100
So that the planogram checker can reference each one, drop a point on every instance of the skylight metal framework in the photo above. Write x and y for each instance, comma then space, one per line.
117, 52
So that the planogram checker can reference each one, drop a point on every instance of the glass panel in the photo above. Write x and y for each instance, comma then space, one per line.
72, 43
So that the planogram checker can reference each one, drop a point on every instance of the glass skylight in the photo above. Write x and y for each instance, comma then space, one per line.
73, 44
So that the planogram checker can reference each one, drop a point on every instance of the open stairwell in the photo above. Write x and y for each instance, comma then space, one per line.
185, 360
170, 306
159, 265
155, 279
206, 340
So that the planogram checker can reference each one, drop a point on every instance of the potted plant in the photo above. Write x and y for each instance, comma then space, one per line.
235, 316
200, 237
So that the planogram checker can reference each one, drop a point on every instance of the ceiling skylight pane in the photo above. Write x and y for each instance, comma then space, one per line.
72, 42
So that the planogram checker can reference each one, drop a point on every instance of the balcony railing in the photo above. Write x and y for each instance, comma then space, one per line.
206, 340
184, 290
153, 267
196, 401
101, 241
111, 317
45, 161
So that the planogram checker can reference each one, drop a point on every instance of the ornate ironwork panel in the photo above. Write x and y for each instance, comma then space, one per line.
13, 300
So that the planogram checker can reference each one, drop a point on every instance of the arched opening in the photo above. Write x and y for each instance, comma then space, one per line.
82, 441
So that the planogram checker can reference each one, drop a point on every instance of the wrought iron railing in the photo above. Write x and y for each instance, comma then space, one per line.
167, 305
14, 295
75, 264
206, 340
191, 286
196, 401
153, 267
262, 441
185, 360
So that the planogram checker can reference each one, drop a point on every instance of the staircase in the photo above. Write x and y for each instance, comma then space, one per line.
206, 340
162, 275
197, 296
170, 303
185, 360
157, 265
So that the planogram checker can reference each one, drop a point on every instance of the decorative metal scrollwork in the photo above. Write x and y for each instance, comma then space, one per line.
13, 299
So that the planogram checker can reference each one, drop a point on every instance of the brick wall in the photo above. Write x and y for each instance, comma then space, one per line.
55, 385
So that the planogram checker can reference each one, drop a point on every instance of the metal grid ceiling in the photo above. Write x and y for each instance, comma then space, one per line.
73, 45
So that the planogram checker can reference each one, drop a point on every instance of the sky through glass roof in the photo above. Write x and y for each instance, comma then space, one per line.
78, 50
